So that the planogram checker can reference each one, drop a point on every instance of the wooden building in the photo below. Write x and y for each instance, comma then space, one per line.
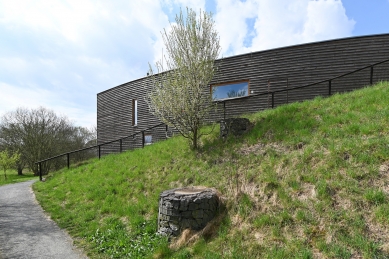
122, 111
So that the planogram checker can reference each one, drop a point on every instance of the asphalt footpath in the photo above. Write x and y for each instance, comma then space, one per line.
26, 231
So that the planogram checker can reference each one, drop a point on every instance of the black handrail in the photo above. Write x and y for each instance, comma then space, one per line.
326, 80
304, 86
95, 146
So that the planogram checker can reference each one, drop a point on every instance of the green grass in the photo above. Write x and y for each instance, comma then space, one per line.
13, 177
311, 180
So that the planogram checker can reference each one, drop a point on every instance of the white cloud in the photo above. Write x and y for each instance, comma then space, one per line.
325, 20
71, 50
175, 5
67, 18
173, 8
280, 23
32, 96
196, 5
231, 24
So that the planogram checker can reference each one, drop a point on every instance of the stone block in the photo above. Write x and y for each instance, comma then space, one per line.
168, 204
176, 205
234, 126
184, 205
197, 214
186, 214
164, 223
173, 227
193, 224
198, 200
201, 223
193, 206
204, 206
185, 223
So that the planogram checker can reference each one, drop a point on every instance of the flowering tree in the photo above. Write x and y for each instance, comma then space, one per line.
180, 96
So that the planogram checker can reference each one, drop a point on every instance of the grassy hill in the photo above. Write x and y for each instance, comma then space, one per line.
311, 180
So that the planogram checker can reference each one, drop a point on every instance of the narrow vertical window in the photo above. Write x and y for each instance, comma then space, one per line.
134, 112
148, 139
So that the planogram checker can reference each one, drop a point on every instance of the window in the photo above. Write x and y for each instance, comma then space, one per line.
230, 90
148, 139
134, 112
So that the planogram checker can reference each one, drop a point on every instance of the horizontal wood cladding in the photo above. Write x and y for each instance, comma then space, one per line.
270, 70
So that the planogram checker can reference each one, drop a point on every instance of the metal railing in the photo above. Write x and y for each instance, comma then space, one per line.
121, 145
120, 141
330, 91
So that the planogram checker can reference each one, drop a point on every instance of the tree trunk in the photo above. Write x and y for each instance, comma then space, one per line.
35, 170
194, 139
19, 167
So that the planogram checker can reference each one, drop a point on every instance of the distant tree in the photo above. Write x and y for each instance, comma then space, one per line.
7, 161
80, 138
180, 96
13, 148
38, 134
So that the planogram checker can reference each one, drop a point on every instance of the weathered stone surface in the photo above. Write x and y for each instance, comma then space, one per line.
234, 126
184, 205
193, 206
197, 214
186, 214
168, 204
184, 208
204, 206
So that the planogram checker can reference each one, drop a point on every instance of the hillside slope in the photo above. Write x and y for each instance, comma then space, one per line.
311, 180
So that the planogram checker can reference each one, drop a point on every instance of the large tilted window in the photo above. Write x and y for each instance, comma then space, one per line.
230, 90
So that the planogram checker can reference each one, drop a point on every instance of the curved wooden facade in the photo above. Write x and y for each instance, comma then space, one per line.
270, 70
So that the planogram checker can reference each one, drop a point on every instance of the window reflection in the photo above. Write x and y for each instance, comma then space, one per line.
231, 90
148, 139
134, 112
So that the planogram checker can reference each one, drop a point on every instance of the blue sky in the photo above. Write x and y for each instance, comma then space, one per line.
60, 54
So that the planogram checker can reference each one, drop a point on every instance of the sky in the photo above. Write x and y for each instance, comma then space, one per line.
60, 54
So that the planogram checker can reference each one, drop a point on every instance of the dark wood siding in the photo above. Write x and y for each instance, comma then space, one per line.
274, 69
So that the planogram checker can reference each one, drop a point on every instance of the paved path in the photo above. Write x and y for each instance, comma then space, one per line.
25, 231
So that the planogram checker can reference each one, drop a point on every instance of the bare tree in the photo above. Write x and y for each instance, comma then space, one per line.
180, 96
38, 134
80, 138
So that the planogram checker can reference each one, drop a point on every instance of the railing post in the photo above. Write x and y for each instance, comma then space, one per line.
99, 151
68, 158
143, 139
224, 110
371, 75
40, 170
287, 91
121, 145
329, 87
272, 99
